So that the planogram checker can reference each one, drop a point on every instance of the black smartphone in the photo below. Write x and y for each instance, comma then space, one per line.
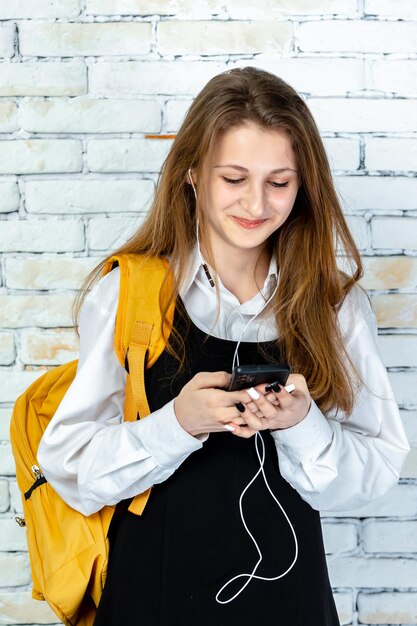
245, 376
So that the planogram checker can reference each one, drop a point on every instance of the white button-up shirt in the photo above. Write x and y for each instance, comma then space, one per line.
93, 458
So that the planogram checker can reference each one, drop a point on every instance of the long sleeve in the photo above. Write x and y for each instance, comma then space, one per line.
338, 463
88, 454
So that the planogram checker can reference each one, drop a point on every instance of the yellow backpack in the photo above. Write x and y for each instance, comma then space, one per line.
69, 551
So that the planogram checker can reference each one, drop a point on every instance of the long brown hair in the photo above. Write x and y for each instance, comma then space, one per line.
311, 287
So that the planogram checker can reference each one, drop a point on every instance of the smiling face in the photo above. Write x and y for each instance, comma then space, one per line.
252, 184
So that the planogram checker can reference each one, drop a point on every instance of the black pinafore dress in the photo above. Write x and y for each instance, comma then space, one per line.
167, 565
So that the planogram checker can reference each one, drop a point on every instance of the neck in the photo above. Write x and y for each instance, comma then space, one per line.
242, 274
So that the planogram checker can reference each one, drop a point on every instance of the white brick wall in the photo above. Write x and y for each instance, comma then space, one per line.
82, 82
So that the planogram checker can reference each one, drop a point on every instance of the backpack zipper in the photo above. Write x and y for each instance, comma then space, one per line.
39, 480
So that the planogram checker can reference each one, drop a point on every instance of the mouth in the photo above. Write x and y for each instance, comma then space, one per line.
249, 224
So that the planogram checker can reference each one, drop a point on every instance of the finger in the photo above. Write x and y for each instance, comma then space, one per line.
234, 397
207, 380
272, 398
240, 431
251, 406
254, 420
285, 398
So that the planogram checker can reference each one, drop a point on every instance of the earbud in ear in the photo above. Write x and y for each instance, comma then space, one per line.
192, 182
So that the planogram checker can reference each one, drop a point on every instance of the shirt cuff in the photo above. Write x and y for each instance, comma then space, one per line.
165, 439
306, 440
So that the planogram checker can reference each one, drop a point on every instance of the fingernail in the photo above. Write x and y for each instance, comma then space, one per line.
272, 387
289, 388
240, 407
228, 427
253, 393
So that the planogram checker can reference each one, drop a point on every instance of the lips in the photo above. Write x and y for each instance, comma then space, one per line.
249, 224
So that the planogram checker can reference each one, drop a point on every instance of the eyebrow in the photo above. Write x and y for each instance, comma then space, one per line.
244, 169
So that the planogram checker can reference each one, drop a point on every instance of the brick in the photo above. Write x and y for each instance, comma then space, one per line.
8, 117
12, 538
5, 415
339, 537
360, 230
410, 466
400, 500
349, 571
42, 8
387, 153
88, 196
41, 236
344, 606
394, 76
43, 79
393, 272
14, 570
394, 233
320, 76
175, 113
13, 383
387, 608
60, 39
405, 389
223, 37
410, 424
41, 272
6, 40
40, 156
136, 78
85, 115
396, 310
402, 9
269, 9
7, 464
110, 233
398, 350
127, 155
47, 311
382, 193
15, 498
20, 608
7, 351
364, 115
188, 8
4, 497
50, 348
9, 197
343, 154
387, 536
357, 36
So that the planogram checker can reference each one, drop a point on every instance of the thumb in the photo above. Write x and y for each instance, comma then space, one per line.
207, 380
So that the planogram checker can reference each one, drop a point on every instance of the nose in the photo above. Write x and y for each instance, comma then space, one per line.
253, 200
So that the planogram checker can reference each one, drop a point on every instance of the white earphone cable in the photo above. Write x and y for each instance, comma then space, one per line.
261, 458
252, 575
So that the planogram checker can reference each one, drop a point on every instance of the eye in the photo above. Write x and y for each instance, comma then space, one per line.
233, 181
279, 185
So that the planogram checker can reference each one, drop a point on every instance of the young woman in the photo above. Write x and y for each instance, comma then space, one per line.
246, 212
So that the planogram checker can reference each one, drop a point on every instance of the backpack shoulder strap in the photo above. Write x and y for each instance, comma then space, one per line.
145, 292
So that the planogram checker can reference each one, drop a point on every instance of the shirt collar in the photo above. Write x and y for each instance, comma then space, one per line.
195, 268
